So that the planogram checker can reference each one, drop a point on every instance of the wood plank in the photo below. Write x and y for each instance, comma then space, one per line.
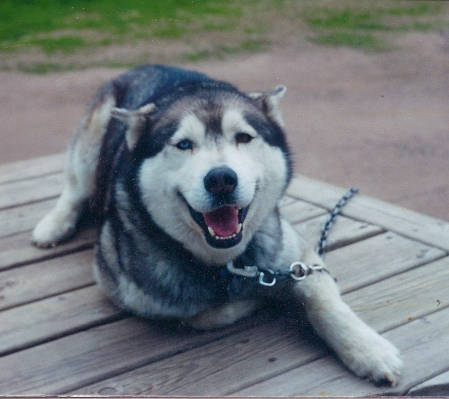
437, 386
41, 280
26, 191
64, 314
299, 211
31, 168
377, 258
411, 224
404, 297
68, 363
344, 232
23, 218
219, 370
220, 367
423, 343
17, 250
286, 200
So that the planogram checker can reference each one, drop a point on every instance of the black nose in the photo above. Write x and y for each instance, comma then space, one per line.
222, 180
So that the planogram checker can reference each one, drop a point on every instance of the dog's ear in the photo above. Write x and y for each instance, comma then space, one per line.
135, 121
269, 103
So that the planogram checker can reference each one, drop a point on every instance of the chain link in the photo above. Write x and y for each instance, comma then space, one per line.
322, 241
298, 270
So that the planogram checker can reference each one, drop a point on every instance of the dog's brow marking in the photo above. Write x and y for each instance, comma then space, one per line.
234, 121
190, 126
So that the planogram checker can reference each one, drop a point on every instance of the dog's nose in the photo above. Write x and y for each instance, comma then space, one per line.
222, 180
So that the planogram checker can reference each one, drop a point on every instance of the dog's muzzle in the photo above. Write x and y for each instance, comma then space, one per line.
223, 225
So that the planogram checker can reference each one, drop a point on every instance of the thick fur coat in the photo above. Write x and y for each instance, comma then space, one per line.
185, 174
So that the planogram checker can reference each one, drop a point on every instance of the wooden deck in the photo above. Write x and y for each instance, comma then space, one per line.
59, 335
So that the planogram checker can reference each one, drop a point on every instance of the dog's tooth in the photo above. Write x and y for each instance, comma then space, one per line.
211, 231
239, 228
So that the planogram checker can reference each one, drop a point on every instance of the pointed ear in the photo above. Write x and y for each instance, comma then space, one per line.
269, 102
135, 121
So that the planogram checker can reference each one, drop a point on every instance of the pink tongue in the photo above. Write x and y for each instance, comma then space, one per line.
223, 221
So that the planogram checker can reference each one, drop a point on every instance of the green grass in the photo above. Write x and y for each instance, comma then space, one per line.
49, 35
355, 40
361, 25
64, 25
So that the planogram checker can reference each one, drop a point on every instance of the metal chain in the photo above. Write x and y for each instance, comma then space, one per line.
322, 241
297, 271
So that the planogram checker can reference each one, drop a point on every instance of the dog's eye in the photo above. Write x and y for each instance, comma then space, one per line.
243, 138
184, 145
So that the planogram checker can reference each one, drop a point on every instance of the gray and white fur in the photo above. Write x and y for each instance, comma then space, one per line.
185, 174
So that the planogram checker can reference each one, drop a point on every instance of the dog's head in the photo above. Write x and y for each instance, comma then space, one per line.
213, 163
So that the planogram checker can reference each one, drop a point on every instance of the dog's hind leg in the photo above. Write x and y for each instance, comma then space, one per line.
223, 316
79, 174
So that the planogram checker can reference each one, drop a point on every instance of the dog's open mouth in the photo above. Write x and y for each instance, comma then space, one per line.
223, 226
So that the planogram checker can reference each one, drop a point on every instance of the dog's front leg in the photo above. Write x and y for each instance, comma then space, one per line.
362, 349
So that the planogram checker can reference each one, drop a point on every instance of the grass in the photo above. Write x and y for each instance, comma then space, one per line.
22, 20
362, 26
48, 35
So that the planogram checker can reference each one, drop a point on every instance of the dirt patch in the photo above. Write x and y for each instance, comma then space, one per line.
376, 120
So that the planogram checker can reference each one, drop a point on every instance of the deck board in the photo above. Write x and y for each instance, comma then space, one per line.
391, 217
31, 168
47, 319
40, 280
60, 335
423, 344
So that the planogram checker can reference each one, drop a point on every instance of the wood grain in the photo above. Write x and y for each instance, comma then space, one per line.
377, 258
411, 224
31, 168
18, 250
344, 232
27, 191
423, 343
23, 218
71, 362
221, 367
26, 284
51, 318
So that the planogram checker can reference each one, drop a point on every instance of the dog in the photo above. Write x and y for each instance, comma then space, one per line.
185, 174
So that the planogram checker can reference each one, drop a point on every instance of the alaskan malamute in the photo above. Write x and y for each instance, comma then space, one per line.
185, 173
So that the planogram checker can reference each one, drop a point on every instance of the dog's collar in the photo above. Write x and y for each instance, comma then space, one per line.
297, 271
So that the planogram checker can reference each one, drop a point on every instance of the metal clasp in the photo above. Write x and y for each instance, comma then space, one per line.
299, 271
265, 283
247, 271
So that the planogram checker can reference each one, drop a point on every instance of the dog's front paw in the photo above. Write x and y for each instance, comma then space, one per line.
372, 356
52, 229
